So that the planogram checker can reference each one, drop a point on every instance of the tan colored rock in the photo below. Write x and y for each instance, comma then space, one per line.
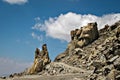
79, 32
72, 33
45, 57
112, 27
41, 59
80, 38
81, 42
88, 34
118, 32
106, 27
111, 75
85, 35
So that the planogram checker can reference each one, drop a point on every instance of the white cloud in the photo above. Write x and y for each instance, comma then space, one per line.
16, 1
35, 36
37, 19
60, 27
9, 66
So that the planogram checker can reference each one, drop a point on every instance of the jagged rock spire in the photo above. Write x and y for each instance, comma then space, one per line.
41, 59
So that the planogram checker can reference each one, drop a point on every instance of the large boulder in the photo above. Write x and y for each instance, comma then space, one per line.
40, 61
85, 35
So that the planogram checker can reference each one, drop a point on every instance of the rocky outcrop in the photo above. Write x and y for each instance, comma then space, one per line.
80, 38
100, 54
40, 61
85, 35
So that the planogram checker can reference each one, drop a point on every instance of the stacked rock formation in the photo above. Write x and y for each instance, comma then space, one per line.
41, 59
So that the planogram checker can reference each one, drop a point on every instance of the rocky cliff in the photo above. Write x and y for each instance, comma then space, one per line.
91, 53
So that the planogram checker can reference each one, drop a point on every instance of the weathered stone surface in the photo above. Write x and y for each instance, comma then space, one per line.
106, 28
41, 59
118, 32
111, 75
85, 35
113, 58
80, 38
117, 63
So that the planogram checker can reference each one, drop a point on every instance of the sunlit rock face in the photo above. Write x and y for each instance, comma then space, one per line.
85, 35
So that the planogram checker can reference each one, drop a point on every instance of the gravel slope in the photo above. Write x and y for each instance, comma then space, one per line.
77, 76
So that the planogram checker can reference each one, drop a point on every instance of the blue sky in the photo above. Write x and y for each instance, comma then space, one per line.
27, 24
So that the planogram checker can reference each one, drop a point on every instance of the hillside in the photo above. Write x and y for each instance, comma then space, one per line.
91, 54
